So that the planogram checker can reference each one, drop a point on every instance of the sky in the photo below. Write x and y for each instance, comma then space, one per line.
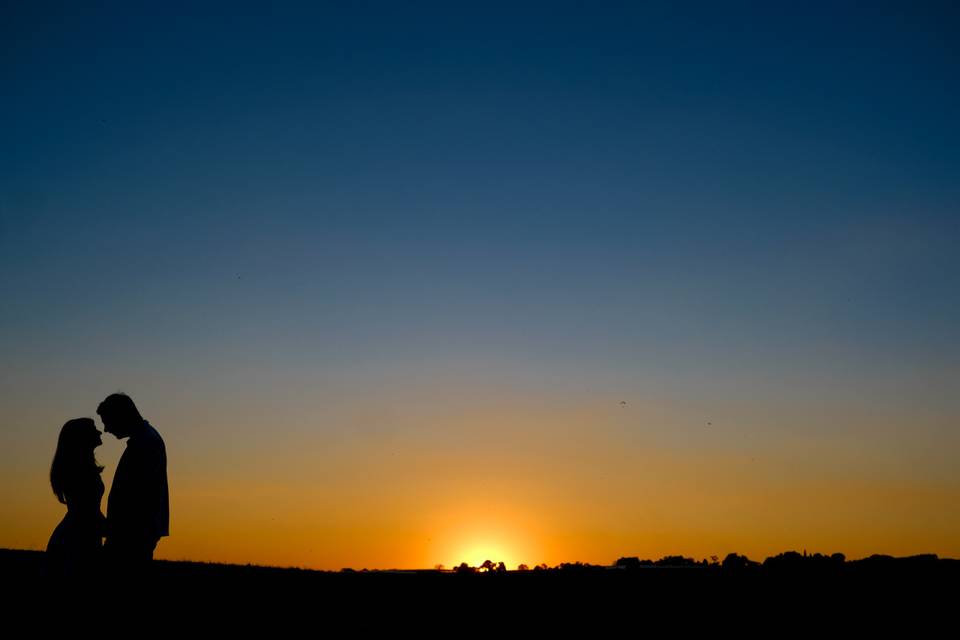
407, 284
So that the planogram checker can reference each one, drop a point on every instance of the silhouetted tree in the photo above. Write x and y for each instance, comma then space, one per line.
631, 562
788, 560
795, 562
465, 568
734, 561
523, 567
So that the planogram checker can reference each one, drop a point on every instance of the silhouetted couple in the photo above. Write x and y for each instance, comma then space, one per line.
138, 511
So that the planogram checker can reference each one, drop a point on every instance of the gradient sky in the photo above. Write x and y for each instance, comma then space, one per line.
381, 274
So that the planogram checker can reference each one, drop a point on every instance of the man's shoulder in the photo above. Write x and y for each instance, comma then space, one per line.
151, 432
148, 439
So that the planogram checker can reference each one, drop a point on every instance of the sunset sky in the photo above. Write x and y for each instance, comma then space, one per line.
406, 284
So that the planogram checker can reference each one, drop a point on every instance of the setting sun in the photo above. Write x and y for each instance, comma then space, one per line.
476, 553
476, 542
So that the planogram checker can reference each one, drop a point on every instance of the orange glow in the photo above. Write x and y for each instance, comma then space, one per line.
476, 553
574, 484
499, 533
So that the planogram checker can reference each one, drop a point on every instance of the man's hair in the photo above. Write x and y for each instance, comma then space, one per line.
119, 405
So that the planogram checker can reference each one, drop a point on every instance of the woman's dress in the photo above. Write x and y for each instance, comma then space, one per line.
75, 546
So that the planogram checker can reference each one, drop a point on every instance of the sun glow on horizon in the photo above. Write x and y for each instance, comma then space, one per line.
476, 553
476, 542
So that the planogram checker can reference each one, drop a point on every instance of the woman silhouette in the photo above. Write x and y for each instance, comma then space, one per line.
75, 546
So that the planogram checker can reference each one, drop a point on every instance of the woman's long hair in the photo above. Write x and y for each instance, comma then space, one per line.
74, 458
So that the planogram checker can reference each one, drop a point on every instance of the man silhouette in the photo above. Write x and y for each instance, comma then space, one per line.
138, 508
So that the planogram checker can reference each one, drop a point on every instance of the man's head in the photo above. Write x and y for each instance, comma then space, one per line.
119, 415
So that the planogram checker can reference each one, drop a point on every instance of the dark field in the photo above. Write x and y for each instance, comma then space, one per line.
920, 592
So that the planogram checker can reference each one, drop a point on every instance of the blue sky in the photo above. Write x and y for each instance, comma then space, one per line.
614, 178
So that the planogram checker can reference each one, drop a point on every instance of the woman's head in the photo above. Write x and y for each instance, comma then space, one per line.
74, 456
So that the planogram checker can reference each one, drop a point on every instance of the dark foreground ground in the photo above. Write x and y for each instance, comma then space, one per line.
919, 596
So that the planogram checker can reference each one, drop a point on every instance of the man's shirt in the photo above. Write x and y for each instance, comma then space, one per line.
139, 505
